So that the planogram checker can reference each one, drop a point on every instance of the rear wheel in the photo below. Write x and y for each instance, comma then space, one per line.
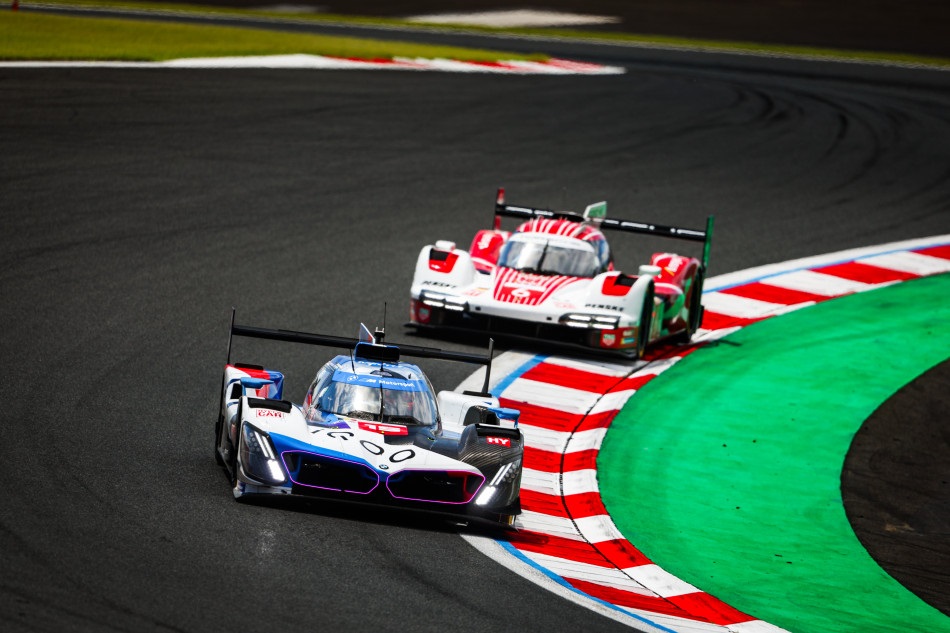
646, 322
695, 306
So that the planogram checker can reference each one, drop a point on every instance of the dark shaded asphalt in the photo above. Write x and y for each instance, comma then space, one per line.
139, 206
896, 486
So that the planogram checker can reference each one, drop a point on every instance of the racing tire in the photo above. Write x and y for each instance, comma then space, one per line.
237, 490
695, 308
233, 464
217, 440
233, 457
646, 318
695, 304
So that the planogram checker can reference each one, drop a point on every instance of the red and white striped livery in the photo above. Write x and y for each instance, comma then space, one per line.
553, 278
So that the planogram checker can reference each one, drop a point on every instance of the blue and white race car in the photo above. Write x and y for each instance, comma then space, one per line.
370, 430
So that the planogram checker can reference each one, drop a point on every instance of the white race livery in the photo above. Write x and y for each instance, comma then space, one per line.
553, 278
370, 430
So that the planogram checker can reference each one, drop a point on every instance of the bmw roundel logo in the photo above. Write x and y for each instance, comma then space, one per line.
384, 467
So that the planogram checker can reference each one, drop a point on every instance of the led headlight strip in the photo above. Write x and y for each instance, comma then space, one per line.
261, 461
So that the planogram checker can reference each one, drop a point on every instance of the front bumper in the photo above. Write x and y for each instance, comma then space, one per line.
614, 339
455, 494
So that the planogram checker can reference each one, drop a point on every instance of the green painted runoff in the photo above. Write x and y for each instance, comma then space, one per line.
725, 470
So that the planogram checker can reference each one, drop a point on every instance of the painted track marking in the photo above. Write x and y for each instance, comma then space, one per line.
566, 533
558, 67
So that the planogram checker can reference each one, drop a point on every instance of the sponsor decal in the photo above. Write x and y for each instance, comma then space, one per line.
629, 337
366, 380
499, 441
603, 306
671, 266
269, 413
383, 429
609, 340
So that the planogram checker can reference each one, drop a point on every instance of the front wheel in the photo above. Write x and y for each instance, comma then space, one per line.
236, 446
695, 308
646, 322
219, 425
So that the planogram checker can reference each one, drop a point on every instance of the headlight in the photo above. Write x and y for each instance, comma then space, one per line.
259, 457
590, 321
486, 495
502, 479
436, 300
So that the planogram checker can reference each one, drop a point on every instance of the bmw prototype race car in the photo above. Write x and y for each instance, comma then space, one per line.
553, 278
371, 430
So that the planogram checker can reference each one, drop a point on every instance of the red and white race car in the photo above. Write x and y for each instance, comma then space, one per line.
553, 278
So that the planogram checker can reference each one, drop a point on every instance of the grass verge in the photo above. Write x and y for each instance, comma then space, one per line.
46, 37
629, 39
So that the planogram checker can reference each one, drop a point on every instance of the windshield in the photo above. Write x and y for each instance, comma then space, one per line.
547, 258
378, 403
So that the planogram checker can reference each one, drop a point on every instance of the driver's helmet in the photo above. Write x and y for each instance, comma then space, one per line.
347, 398
558, 259
397, 402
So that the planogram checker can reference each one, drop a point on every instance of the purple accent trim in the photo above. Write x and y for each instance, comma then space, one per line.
449, 472
349, 461
330, 425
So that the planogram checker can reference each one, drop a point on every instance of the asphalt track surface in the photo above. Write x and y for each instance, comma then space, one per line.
139, 206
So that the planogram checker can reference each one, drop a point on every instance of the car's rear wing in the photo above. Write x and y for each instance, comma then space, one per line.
661, 230
362, 347
596, 214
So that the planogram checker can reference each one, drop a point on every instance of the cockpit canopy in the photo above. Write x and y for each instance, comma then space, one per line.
374, 392
550, 255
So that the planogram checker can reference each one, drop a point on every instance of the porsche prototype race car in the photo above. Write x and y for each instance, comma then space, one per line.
371, 430
553, 278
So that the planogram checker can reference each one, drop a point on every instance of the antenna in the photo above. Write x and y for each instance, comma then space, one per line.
380, 334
